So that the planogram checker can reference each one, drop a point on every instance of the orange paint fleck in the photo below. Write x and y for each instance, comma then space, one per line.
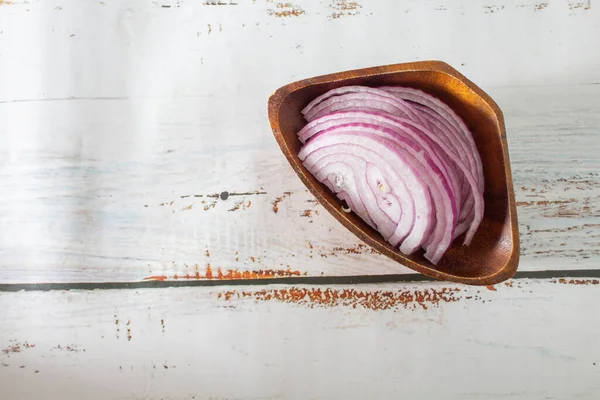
492, 9
258, 274
235, 207
232, 274
156, 278
490, 287
17, 348
276, 204
586, 5
188, 276
351, 298
218, 3
286, 10
278, 200
241, 204
578, 281
209, 206
72, 348
344, 8
358, 249
545, 202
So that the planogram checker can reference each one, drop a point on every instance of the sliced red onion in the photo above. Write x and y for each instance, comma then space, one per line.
433, 176
472, 197
337, 92
401, 159
353, 92
407, 130
379, 99
442, 109
339, 176
404, 179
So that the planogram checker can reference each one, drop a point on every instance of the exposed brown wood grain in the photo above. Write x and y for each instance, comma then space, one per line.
379, 300
563, 198
283, 10
211, 273
16, 347
492, 9
344, 8
564, 281
278, 200
220, 3
584, 5
353, 298
559, 213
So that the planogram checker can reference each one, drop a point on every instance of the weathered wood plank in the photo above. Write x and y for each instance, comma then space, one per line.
523, 340
63, 48
114, 194
121, 121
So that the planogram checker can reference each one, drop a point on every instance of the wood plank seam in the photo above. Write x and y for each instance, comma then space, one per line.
324, 280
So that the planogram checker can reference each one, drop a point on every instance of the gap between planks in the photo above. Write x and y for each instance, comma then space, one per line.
564, 276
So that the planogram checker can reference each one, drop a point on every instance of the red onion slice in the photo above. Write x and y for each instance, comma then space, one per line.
431, 173
400, 126
445, 112
399, 174
366, 195
401, 159
425, 137
347, 188
340, 94
378, 99
353, 180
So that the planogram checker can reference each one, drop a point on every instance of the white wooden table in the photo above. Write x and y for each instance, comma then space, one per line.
155, 244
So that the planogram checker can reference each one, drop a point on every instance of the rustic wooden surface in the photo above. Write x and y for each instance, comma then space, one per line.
122, 122
86, 198
529, 340
126, 120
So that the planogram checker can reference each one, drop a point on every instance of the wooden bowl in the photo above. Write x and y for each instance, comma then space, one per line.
493, 254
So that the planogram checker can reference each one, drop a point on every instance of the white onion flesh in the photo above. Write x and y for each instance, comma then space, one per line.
401, 159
